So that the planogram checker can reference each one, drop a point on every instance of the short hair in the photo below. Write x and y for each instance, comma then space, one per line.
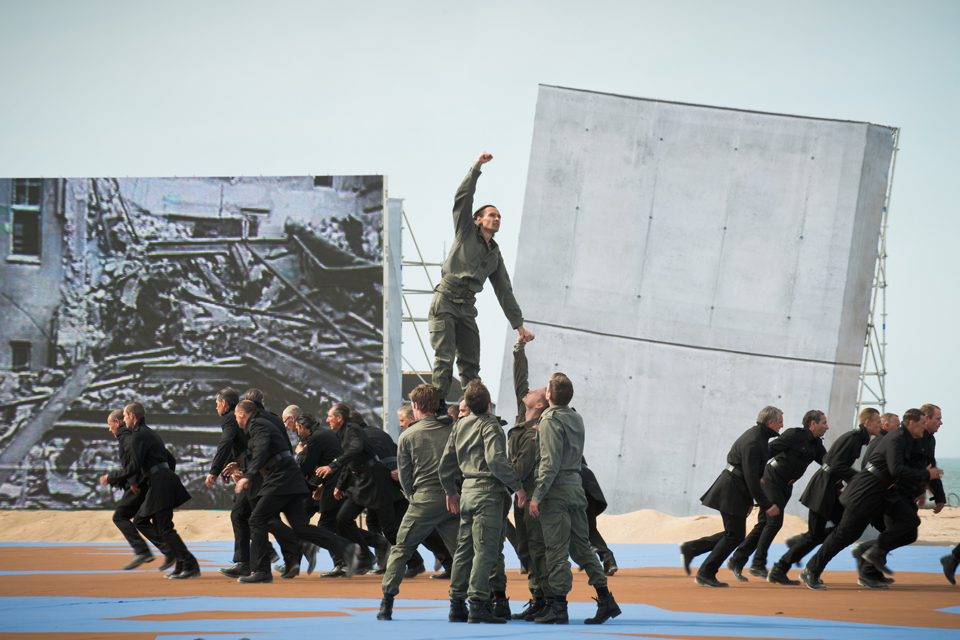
294, 411
912, 415
479, 212
866, 414
357, 418
253, 395
343, 410
427, 398
307, 421
136, 410
116, 416
561, 389
407, 411
247, 407
929, 410
768, 413
811, 417
229, 395
477, 396
885, 417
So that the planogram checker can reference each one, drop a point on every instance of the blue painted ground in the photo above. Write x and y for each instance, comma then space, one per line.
917, 558
52, 615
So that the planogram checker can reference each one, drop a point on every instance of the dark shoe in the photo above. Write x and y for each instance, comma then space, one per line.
444, 418
708, 581
413, 572
949, 568
168, 561
737, 570
176, 569
190, 570
379, 571
878, 558
259, 576
337, 572
501, 608
523, 570
867, 581
386, 608
812, 581
237, 571
458, 610
555, 612
138, 560
779, 576
293, 572
443, 575
273, 555
687, 556
351, 556
610, 567
279, 567
792, 540
310, 553
760, 573
538, 610
533, 605
437, 564
482, 611
607, 608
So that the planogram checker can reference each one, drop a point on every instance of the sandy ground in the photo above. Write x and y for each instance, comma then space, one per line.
646, 526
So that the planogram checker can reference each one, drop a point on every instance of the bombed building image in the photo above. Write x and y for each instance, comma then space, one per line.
165, 290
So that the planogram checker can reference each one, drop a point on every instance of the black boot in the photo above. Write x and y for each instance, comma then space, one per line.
533, 606
237, 571
607, 608
482, 611
554, 612
386, 608
458, 610
501, 608
191, 569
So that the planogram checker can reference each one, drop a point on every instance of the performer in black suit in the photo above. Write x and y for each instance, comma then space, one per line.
129, 504
733, 494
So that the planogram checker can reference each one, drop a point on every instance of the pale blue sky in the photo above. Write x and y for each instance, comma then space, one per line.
415, 90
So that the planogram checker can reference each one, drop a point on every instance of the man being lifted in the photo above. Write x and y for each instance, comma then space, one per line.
473, 258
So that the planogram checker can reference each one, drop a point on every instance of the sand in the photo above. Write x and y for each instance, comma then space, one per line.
646, 526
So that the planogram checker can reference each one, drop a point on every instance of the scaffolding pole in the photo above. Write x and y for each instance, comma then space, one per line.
873, 369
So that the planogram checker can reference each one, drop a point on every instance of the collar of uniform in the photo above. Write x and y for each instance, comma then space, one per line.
425, 421
491, 244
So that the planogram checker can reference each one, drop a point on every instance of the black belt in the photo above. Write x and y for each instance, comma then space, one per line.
881, 476
778, 468
388, 459
736, 471
277, 458
152, 470
825, 468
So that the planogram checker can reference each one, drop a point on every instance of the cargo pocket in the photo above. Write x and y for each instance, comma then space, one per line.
436, 327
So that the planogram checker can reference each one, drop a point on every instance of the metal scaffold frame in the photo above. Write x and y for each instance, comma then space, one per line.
409, 317
873, 369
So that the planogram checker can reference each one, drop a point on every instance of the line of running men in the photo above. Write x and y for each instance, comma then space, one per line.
897, 470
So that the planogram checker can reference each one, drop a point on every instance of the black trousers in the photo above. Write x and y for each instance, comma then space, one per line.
817, 531
243, 506
596, 540
268, 508
720, 544
123, 517
758, 540
435, 545
347, 525
162, 523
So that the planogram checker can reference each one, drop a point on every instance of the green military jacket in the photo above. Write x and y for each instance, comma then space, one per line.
472, 259
476, 449
522, 438
418, 455
561, 435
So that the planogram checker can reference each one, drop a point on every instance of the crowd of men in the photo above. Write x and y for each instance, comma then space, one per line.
897, 471
447, 482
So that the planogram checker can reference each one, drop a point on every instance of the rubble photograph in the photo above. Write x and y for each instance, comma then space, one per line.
164, 291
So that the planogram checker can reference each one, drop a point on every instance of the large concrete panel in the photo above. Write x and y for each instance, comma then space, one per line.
688, 265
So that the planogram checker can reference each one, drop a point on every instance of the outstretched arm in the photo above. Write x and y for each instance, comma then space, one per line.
463, 201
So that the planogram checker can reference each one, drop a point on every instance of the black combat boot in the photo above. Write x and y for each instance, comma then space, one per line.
501, 607
458, 610
482, 611
533, 606
607, 608
554, 612
386, 608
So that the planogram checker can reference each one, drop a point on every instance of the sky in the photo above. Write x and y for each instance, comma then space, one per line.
416, 90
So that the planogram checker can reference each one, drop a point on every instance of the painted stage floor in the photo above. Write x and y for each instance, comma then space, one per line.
77, 591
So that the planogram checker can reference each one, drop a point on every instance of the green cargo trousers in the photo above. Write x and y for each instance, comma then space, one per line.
563, 517
498, 576
427, 511
478, 543
453, 333
530, 534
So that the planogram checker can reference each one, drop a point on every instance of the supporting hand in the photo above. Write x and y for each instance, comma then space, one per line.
525, 336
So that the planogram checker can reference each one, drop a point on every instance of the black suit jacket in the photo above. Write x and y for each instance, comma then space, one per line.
732, 494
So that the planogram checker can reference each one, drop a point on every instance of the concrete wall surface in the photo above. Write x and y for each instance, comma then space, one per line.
688, 265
